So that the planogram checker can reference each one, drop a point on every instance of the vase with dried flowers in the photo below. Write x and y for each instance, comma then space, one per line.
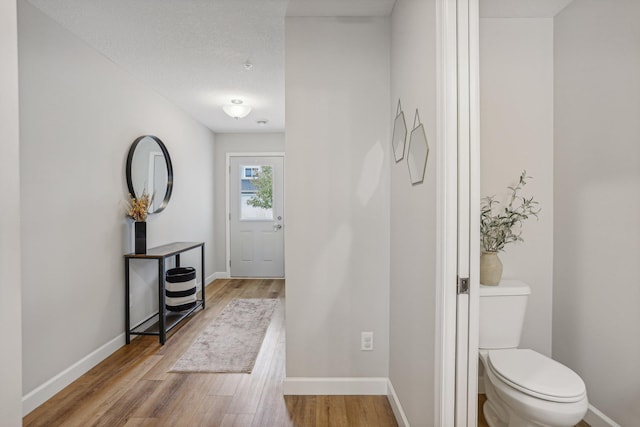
499, 226
137, 209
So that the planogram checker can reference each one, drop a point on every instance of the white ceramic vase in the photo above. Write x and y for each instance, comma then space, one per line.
490, 268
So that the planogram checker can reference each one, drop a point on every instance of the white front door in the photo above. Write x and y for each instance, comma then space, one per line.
256, 216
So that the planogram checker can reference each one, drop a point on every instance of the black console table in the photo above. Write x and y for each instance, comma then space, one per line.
163, 321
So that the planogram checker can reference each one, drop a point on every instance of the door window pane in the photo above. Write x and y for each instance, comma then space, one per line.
256, 193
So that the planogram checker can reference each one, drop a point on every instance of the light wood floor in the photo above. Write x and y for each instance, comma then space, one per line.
133, 388
483, 423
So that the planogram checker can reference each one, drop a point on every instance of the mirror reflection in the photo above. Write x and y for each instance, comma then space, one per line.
149, 168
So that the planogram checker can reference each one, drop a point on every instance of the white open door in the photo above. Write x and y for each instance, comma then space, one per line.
468, 161
459, 175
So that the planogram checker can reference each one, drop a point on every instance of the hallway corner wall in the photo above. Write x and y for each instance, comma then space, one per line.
79, 114
596, 292
413, 210
10, 257
337, 196
516, 113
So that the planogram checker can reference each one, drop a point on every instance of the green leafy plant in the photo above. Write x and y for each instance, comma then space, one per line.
499, 226
263, 198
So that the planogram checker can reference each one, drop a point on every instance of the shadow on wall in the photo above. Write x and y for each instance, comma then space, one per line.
371, 174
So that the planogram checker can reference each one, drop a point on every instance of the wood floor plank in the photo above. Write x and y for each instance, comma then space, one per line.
211, 411
356, 413
93, 392
133, 387
482, 422
141, 422
162, 397
185, 406
113, 392
331, 411
302, 410
226, 385
122, 409
272, 408
237, 420
362, 410
249, 392
384, 412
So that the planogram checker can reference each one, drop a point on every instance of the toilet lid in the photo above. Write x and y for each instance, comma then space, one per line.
537, 375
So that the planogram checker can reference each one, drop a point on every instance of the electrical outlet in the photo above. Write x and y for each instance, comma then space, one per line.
366, 341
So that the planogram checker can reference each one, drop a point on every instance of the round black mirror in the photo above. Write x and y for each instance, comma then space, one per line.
149, 168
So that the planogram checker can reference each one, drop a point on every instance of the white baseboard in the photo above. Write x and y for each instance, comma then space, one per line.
335, 386
401, 418
219, 275
227, 275
44, 392
595, 418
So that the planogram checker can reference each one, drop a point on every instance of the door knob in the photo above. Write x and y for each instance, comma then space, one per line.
276, 227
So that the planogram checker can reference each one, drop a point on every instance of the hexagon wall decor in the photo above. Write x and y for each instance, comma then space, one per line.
418, 152
399, 137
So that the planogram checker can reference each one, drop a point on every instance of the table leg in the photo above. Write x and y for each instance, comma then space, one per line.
204, 285
127, 303
161, 302
177, 260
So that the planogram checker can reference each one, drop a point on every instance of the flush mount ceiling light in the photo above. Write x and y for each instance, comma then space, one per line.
237, 109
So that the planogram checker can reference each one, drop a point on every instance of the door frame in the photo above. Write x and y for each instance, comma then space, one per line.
446, 310
473, 55
227, 213
458, 191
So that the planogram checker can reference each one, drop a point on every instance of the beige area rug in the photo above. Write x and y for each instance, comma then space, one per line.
232, 341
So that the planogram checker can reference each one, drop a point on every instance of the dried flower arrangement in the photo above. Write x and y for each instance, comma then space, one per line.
138, 208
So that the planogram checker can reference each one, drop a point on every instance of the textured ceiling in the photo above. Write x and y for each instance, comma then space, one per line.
521, 8
192, 51
340, 7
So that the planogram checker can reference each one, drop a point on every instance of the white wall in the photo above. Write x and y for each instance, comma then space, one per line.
10, 292
597, 197
235, 143
79, 115
337, 195
413, 215
516, 109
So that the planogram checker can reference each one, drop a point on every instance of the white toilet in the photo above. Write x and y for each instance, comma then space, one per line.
523, 388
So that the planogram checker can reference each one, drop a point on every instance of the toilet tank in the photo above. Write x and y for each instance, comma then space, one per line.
502, 310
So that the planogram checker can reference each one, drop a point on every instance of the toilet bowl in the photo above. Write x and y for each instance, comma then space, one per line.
524, 388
